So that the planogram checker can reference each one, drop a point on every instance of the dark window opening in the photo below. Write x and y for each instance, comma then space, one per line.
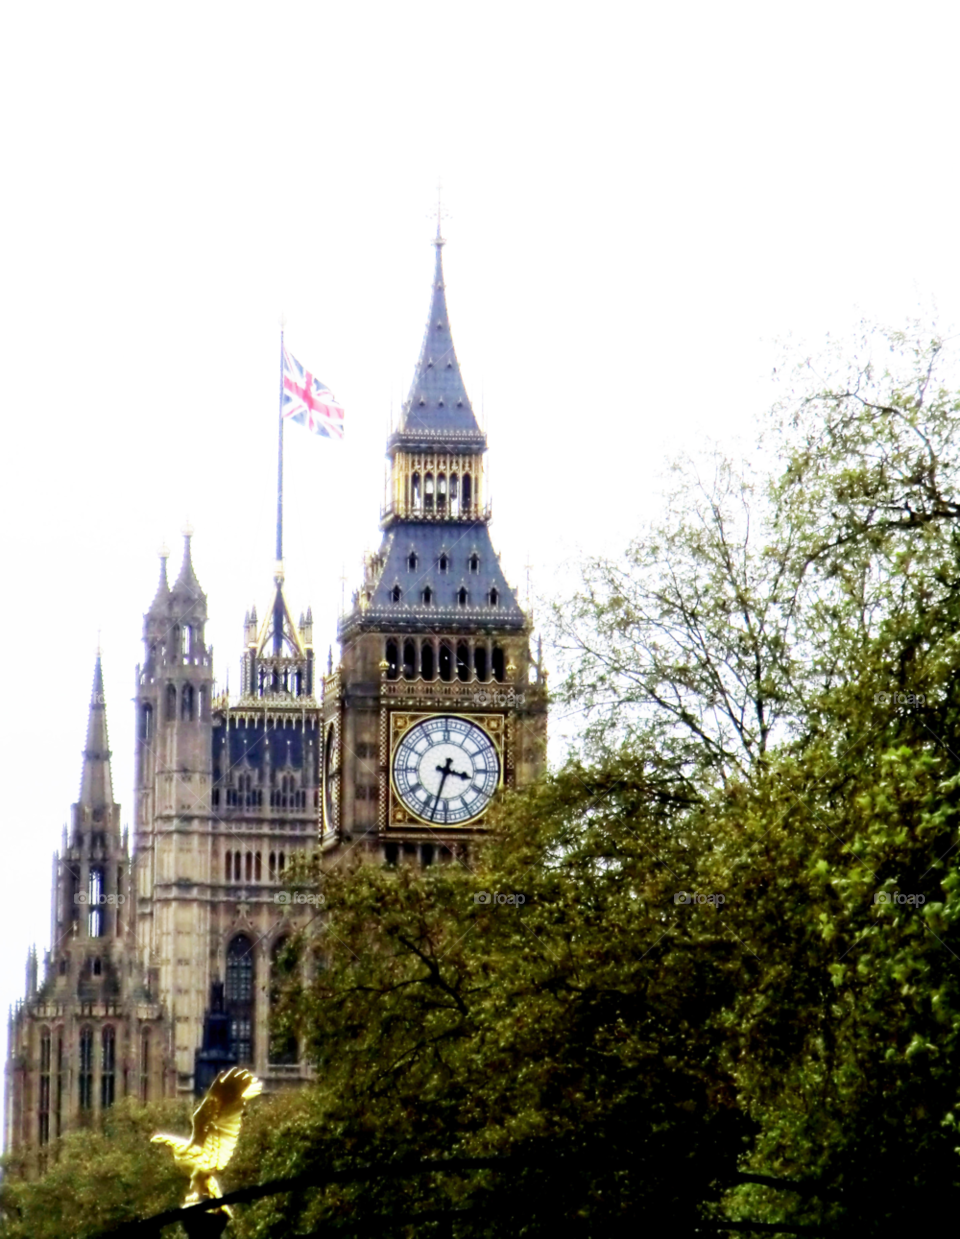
426, 660
494, 597
393, 660
498, 663
444, 562
474, 562
85, 1076
390, 853
462, 597
480, 662
466, 493
446, 662
186, 703
428, 492
427, 596
171, 711
396, 594
146, 723
463, 661
108, 1066
409, 660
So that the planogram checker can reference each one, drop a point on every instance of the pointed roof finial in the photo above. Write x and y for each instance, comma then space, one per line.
187, 579
96, 788
438, 240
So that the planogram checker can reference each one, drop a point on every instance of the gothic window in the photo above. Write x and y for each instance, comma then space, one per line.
146, 723
186, 703
428, 492
43, 1110
249, 866
237, 859
444, 561
463, 661
257, 868
185, 641
281, 863
392, 660
494, 597
409, 660
108, 1066
412, 561
202, 710
441, 493
241, 1038
171, 712
428, 597
426, 660
473, 563
283, 1048
462, 597
446, 662
58, 1112
95, 903
454, 504
228, 865
466, 494
396, 594
415, 485
480, 661
145, 1065
273, 866
426, 854
498, 663
97, 966
85, 1075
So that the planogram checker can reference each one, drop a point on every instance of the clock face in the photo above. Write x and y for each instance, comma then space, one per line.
445, 770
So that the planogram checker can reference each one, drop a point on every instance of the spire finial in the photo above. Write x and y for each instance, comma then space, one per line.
441, 214
164, 551
187, 529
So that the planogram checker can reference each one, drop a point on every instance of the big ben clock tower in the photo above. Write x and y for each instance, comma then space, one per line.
436, 705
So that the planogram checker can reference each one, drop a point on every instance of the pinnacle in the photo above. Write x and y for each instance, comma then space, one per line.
96, 785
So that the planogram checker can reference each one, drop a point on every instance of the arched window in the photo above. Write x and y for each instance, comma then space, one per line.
409, 660
396, 594
239, 997
186, 703
228, 865
249, 866
428, 492
393, 661
473, 563
171, 711
463, 661
186, 634
498, 663
415, 486
95, 903
43, 1108
203, 711
466, 495
441, 492
412, 561
257, 868
108, 1066
443, 563
85, 1074
58, 1112
283, 1048
462, 597
480, 661
446, 661
426, 660
146, 723
454, 499
145, 1064
273, 866
428, 597
494, 597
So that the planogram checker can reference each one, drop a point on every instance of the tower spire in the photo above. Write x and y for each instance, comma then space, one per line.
96, 785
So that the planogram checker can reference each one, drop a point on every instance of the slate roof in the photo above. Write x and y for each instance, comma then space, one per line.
458, 540
437, 411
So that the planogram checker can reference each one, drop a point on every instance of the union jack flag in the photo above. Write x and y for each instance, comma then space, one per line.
308, 401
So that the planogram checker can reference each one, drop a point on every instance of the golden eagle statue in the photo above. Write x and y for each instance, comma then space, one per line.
216, 1129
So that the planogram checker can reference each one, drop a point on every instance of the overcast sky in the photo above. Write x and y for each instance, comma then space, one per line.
643, 198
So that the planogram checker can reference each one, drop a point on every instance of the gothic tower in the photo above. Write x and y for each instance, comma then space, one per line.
92, 1031
436, 704
226, 794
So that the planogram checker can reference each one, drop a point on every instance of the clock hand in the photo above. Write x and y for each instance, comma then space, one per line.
443, 771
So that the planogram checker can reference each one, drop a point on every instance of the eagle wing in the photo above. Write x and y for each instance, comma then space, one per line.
216, 1121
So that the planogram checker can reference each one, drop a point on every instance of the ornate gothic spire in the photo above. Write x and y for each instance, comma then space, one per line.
438, 408
96, 785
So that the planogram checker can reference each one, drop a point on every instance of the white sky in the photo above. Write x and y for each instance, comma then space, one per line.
643, 198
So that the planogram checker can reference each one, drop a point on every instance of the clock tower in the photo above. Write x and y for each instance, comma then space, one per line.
437, 704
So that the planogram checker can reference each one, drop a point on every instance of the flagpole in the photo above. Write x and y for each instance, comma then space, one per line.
280, 461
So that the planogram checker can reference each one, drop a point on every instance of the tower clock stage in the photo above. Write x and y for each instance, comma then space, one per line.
436, 704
